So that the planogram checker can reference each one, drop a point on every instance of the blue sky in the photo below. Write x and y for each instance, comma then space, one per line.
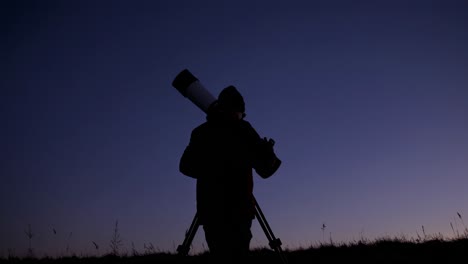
366, 101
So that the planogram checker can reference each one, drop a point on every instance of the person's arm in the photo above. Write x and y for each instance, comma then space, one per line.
265, 161
189, 163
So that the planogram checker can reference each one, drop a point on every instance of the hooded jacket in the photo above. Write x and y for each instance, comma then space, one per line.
221, 155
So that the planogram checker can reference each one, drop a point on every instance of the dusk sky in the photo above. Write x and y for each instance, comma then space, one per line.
367, 102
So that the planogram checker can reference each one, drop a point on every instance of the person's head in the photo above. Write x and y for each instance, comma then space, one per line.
231, 103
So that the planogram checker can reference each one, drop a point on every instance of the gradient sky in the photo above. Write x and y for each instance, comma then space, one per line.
367, 102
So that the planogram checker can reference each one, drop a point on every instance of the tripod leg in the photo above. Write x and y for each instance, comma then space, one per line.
189, 235
275, 243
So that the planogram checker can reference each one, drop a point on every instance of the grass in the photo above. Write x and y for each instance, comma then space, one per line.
396, 250
422, 249
379, 251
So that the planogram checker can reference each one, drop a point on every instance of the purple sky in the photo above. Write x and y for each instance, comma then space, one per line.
367, 103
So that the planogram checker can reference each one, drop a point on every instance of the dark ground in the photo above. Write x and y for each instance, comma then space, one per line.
380, 252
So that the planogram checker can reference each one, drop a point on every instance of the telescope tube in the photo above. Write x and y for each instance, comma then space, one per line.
189, 86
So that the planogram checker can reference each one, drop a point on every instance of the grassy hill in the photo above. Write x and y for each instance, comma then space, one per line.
379, 251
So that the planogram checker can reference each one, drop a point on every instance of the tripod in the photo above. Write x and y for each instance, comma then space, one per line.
274, 243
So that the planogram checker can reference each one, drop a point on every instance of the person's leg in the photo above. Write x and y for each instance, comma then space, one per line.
241, 235
230, 242
215, 238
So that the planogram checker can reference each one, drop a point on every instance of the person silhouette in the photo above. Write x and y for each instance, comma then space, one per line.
221, 154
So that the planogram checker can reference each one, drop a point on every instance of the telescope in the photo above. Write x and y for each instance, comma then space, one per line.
190, 87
